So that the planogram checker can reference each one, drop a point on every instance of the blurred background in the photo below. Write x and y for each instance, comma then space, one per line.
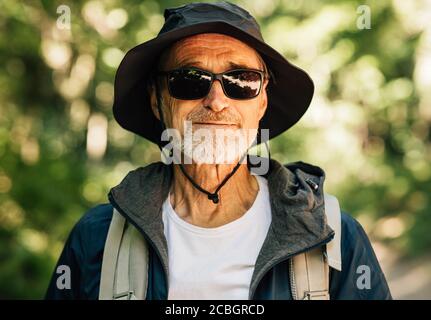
368, 125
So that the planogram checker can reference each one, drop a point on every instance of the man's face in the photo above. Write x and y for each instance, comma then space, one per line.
215, 53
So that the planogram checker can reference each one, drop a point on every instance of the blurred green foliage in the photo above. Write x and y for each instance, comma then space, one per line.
61, 150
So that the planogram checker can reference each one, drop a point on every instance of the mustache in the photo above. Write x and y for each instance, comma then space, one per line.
224, 116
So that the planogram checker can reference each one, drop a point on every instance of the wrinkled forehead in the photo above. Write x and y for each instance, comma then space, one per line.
209, 48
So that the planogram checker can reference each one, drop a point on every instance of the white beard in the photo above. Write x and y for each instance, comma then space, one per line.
213, 145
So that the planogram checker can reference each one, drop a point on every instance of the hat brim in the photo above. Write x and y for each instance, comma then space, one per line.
289, 91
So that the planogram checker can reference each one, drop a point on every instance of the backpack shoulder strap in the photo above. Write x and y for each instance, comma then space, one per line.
124, 274
309, 271
333, 217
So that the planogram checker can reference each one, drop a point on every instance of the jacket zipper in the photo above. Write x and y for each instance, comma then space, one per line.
116, 206
292, 280
292, 284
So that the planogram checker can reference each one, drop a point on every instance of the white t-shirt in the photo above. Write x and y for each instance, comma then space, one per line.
215, 263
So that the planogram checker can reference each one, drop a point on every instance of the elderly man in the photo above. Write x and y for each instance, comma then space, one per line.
195, 226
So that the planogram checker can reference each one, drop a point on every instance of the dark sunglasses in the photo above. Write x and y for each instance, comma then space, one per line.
194, 83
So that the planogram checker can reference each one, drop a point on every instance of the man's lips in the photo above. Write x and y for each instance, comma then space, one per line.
215, 123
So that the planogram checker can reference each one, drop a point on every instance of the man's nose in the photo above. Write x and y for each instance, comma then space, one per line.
216, 99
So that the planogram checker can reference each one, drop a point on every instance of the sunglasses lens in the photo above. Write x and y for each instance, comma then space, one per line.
188, 84
242, 84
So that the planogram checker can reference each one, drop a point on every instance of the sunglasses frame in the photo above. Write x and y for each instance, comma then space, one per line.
215, 76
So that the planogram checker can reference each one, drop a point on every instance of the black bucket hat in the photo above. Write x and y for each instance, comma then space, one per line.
290, 89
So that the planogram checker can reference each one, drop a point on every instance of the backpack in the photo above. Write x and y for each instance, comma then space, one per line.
124, 274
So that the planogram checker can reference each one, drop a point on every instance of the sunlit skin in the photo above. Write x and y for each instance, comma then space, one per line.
215, 53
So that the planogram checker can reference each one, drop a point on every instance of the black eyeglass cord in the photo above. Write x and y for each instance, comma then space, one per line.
211, 196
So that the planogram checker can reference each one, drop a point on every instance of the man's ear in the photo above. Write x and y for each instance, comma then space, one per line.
153, 99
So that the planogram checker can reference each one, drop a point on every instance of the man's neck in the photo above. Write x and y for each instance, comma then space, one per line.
193, 206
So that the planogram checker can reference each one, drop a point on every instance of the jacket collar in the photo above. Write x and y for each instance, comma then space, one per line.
298, 217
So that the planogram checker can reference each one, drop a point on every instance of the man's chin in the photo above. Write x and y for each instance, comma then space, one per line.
212, 159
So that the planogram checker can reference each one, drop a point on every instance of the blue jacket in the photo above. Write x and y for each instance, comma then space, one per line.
298, 224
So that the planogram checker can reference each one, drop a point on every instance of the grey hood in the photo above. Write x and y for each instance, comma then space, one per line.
297, 205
